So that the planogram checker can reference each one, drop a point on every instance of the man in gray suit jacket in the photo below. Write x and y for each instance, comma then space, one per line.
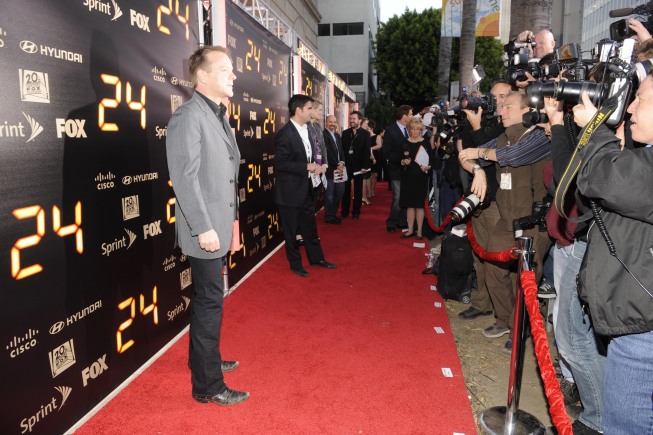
203, 161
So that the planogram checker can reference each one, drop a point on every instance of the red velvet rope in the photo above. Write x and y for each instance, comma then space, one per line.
547, 372
429, 218
499, 257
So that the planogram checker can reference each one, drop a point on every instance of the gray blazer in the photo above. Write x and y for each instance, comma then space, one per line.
203, 161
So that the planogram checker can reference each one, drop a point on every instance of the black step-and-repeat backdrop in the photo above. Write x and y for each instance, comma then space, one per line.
258, 109
90, 285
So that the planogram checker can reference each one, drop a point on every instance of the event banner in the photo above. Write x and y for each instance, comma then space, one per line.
90, 284
487, 18
313, 82
258, 109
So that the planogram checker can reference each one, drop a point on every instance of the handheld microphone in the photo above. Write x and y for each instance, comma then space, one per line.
624, 12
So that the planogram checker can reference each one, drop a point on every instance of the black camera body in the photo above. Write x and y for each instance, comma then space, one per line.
537, 218
487, 102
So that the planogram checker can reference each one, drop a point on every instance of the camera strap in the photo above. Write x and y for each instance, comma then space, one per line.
575, 162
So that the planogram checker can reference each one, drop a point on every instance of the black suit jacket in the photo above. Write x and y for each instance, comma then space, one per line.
290, 163
335, 152
357, 150
393, 145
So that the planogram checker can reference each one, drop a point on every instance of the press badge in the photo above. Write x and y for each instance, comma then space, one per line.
318, 157
506, 181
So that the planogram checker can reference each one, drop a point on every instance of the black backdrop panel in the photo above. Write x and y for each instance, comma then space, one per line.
313, 82
258, 109
90, 286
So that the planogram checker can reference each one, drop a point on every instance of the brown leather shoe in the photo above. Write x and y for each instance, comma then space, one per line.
226, 398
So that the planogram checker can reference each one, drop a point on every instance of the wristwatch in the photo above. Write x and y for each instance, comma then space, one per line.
475, 168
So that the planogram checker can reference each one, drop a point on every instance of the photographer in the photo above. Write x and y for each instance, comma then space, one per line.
480, 129
520, 185
616, 278
578, 345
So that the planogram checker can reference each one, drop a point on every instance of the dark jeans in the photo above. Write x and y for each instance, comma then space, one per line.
358, 196
205, 323
394, 219
332, 197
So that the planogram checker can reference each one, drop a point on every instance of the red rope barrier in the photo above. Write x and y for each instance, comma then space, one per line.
429, 218
499, 257
541, 344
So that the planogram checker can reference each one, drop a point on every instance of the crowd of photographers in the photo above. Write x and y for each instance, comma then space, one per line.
564, 130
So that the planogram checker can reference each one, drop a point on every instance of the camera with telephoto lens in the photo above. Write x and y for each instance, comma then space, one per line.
534, 117
487, 102
466, 206
613, 71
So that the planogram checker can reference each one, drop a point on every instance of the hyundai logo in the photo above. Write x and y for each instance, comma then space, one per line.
57, 327
174, 80
28, 47
127, 180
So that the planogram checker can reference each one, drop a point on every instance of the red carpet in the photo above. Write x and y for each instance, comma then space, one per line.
345, 351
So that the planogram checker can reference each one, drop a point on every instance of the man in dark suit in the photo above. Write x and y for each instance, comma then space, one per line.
203, 161
356, 144
299, 167
335, 172
393, 141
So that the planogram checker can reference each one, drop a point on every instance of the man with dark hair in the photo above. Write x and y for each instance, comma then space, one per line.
203, 160
297, 184
356, 145
395, 136
335, 171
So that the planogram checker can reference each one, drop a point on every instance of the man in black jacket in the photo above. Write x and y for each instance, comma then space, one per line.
356, 145
298, 180
615, 279
393, 141
335, 172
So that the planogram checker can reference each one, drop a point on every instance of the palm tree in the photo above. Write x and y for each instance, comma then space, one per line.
467, 45
533, 15
444, 67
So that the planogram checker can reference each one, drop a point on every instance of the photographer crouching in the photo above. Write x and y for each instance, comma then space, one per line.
615, 277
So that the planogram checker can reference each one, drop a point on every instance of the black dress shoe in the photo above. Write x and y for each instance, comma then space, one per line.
344, 216
335, 221
227, 397
356, 216
472, 313
301, 272
325, 264
406, 235
391, 229
228, 366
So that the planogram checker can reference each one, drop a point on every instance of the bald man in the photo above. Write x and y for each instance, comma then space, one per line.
545, 43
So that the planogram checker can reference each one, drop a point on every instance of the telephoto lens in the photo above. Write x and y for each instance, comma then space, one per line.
466, 206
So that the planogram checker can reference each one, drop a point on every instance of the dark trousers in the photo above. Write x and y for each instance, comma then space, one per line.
358, 195
205, 323
301, 219
395, 218
332, 197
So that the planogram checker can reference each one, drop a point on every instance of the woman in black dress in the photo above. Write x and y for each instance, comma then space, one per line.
416, 164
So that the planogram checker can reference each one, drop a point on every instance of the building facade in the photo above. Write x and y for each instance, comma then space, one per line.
346, 36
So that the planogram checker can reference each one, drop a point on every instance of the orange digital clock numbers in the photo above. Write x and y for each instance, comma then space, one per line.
254, 54
130, 303
163, 10
36, 211
255, 174
112, 103
234, 113
170, 218
271, 118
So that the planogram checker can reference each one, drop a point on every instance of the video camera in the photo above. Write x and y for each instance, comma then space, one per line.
619, 30
516, 58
